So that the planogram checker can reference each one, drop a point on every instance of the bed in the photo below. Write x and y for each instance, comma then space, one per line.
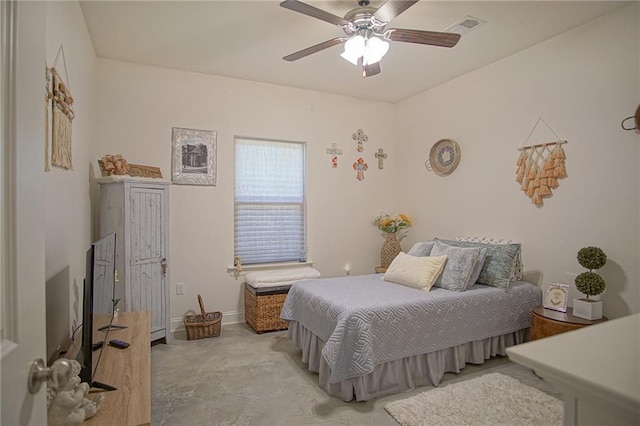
367, 337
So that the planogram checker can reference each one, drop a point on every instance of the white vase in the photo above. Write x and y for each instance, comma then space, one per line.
591, 310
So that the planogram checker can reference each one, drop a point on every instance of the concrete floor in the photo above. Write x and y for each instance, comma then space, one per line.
241, 378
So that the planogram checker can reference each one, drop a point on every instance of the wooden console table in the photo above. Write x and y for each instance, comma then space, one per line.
129, 370
595, 368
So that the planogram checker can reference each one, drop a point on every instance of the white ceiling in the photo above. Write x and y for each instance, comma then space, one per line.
247, 40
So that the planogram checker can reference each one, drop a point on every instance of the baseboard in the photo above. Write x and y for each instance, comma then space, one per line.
177, 324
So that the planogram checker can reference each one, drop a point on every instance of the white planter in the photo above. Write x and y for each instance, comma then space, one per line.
591, 310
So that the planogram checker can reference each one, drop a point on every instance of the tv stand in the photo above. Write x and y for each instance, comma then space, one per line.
129, 370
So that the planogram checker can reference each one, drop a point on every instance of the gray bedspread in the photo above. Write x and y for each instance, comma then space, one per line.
366, 321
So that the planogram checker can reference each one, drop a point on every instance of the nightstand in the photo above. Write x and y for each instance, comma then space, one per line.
380, 270
546, 322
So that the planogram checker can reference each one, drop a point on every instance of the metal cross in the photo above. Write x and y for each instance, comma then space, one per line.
334, 151
381, 156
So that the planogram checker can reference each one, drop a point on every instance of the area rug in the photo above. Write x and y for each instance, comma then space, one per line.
491, 399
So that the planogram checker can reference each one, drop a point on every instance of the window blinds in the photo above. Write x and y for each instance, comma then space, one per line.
269, 201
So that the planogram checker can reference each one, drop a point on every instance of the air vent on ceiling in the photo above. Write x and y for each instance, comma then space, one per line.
465, 25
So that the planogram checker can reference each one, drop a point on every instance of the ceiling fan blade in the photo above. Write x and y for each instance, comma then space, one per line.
392, 8
313, 49
432, 38
370, 70
314, 12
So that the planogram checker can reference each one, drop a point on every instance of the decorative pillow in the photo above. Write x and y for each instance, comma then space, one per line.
475, 274
413, 271
516, 271
459, 267
278, 277
421, 249
498, 263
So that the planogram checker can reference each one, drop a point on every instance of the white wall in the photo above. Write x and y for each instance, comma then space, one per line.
583, 83
138, 106
67, 191
637, 131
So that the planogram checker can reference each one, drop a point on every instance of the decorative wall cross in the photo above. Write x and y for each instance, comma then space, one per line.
360, 167
360, 138
334, 151
381, 156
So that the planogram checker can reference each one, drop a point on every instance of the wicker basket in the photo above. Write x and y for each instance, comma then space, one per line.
205, 324
262, 311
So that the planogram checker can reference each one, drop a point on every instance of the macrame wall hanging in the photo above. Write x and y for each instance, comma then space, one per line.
62, 116
540, 166
47, 102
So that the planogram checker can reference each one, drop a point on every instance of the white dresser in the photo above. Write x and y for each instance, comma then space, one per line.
137, 210
596, 368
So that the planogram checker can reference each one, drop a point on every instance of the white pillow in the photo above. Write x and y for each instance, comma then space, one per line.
415, 272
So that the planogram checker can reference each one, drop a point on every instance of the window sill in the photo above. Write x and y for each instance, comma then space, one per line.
232, 270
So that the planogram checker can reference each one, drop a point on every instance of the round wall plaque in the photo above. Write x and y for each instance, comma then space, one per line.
444, 157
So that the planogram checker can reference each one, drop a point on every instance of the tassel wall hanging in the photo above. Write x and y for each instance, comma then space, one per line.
47, 101
539, 167
62, 116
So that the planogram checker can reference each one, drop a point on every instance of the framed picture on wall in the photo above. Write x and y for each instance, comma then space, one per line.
193, 161
556, 297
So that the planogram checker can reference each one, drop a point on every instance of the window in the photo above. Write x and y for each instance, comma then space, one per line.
269, 201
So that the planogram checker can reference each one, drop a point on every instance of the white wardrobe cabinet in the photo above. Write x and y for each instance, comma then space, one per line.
137, 210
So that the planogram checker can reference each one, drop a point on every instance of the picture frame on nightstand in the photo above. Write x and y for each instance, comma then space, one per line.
556, 297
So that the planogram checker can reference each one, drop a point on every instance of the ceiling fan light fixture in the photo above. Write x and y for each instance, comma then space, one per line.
355, 45
375, 50
350, 57
354, 49
370, 49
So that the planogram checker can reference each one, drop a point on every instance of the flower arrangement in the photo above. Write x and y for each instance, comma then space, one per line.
391, 224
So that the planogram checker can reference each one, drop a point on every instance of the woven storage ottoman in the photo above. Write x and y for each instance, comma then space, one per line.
262, 307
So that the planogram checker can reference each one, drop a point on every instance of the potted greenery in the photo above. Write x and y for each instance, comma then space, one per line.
590, 283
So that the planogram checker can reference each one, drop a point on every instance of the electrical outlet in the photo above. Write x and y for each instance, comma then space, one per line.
179, 289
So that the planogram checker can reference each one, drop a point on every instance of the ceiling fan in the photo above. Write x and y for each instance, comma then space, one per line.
366, 33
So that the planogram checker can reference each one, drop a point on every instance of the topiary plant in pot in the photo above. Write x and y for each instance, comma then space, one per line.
590, 283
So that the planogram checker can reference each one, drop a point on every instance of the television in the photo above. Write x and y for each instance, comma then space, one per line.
97, 307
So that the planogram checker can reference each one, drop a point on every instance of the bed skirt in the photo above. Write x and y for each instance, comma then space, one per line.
401, 375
